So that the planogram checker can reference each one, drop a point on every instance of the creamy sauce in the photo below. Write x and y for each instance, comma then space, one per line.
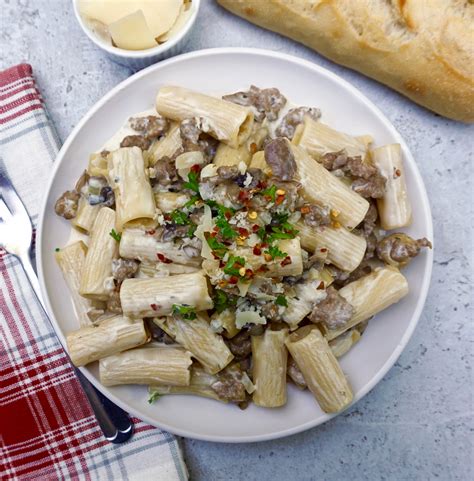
114, 142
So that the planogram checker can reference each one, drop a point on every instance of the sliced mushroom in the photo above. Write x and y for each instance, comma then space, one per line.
66, 205
280, 158
399, 249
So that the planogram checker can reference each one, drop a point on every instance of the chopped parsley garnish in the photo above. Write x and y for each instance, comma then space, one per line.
270, 192
262, 233
193, 182
222, 210
184, 311
115, 235
222, 219
191, 201
179, 217
217, 247
153, 397
233, 265
192, 230
279, 233
222, 301
281, 228
225, 229
281, 301
274, 252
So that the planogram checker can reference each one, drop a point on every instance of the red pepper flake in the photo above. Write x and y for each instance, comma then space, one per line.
397, 173
249, 274
233, 280
167, 217
255, 228
243, 232
195, 168
257, 251
261, 185
323, 249
279, 200
243, 196
228, 215
150, 232
305, 209
221, 263
154, 307
163, 259
287, 260
216, 229
262, 269
253, 148
321, 285
213, 234
263, 245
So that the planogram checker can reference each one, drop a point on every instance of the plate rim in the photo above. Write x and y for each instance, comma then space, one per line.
368, 104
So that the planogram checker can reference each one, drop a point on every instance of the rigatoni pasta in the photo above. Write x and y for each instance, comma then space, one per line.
133, 195
371, 294
227, 122
197, 337
168, 366
114, 335
71, 259
102, 251
319, 139
245, 238
320, 186
394, 207
320, 369
156, 297
269, 357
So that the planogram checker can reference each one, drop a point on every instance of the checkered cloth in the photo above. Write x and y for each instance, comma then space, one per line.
47, 428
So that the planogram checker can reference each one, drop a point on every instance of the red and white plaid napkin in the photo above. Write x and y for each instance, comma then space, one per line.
47, 428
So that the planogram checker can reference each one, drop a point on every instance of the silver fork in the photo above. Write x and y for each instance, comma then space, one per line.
16, 238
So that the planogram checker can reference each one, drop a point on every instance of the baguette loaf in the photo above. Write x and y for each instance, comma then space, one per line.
424, 49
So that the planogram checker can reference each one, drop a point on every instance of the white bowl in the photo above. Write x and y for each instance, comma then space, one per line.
343, 107
138, 59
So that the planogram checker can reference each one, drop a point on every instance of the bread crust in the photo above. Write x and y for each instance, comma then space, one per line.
424, 49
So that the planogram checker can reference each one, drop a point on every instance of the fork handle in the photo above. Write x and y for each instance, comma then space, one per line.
113, 421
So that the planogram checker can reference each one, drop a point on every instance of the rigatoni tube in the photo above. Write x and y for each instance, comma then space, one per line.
394, 207
319, 139
344, 249
197, 337
269, 358
103, 248
168, 366
320, 369
371, 294
199, 385
140, 245
86, 215
155, 297
133, 194
167, 146
70, 260
230, 123
320, 186
111, 336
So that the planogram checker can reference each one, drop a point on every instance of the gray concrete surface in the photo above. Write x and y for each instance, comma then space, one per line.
417, 424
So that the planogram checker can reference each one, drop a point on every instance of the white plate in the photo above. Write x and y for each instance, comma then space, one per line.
343, 107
